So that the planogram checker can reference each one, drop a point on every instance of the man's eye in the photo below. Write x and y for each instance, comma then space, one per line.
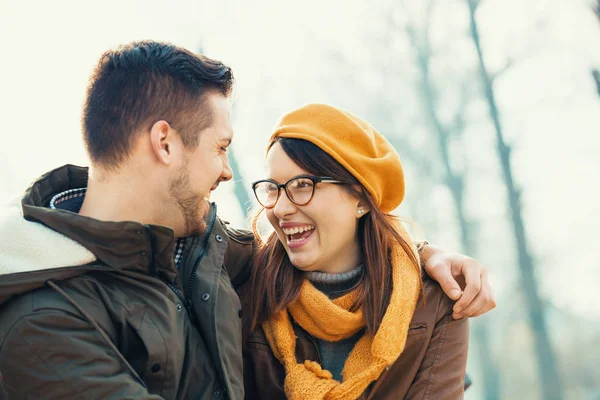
224, 149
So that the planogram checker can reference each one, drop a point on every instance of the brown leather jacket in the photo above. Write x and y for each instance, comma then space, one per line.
432, 365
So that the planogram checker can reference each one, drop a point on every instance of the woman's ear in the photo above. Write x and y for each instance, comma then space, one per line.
362, 209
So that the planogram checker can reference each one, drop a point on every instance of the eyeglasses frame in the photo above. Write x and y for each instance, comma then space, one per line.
314, 179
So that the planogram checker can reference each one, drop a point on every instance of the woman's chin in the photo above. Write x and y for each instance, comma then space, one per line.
302, 264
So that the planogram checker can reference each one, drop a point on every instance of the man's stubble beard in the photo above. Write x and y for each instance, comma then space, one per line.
191, 205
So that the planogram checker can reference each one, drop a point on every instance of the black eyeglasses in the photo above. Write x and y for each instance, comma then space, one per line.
300, 190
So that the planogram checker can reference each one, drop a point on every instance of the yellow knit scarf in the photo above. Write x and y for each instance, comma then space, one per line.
331, 320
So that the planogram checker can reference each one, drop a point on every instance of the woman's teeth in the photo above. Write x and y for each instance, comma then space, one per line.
297, 230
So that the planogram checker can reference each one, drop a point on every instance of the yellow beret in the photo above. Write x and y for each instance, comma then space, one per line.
352, 142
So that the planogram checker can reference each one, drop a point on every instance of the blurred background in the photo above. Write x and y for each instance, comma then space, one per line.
492, 104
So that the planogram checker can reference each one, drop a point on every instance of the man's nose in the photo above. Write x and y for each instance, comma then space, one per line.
227, 172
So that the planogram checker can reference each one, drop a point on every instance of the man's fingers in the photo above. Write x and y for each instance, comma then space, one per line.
490, 301
474, 306
443, 275
467, 313
473, 279
482, 303
482, 311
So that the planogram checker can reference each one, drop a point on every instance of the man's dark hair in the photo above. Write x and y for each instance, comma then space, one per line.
141, 83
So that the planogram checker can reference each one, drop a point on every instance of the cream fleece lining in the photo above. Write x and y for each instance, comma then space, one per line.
27, 246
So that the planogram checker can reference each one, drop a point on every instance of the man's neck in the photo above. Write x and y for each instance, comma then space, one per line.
122, 197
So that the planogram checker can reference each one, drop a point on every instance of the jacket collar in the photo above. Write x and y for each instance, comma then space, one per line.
125, 245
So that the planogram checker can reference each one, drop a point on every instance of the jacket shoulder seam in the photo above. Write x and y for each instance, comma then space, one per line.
244, 239
442, 302
241, 236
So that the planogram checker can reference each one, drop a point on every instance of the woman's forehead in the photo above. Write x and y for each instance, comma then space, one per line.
280, 167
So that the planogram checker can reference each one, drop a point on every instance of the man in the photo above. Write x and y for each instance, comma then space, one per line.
98, 299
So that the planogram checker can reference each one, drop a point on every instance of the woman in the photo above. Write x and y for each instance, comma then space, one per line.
339, 307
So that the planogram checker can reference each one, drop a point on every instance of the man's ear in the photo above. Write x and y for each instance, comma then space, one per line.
161, 141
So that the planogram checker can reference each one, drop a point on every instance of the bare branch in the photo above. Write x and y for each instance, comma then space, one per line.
407, 11
457, 126
426, 26
405, 7
596, 75
428, 13
508, 65
474, 4
407, 151
523, 55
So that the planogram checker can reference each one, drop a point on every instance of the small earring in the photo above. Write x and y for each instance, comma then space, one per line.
361, 211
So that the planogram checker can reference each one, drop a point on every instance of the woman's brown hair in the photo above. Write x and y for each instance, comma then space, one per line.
275, 282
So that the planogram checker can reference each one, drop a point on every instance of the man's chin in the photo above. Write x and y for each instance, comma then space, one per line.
202, 224
196, 224
197, 228
204, 211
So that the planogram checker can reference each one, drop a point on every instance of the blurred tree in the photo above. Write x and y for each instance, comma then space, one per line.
392, 115
454, 178
547, 365
376, 90
240, 189
596, 76
595, 71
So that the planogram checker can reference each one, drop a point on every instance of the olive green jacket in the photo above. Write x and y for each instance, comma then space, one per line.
97, 310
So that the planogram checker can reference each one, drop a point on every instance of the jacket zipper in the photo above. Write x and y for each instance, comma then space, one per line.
314, 342
189, 304
174, 289
377, 383
169, 284
316, 348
